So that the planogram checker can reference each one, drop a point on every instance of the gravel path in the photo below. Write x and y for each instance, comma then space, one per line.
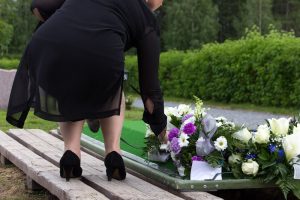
249, 118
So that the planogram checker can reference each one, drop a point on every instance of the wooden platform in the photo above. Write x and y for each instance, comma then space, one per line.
37, 154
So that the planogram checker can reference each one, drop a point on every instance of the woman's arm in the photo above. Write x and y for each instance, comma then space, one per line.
148, 50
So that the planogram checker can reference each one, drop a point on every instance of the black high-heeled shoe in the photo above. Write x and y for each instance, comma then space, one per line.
115, 167
70, 165
93, 124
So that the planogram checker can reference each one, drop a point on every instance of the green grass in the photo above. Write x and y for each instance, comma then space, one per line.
7, 63
133, 132
32, 122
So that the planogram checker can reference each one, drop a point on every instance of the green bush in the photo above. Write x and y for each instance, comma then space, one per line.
263, 70
6, 63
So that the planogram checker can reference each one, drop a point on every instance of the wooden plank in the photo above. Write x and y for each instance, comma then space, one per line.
45, 173
190, 195
94, 171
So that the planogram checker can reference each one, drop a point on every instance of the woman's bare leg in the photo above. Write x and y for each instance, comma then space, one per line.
112, 128
71, 132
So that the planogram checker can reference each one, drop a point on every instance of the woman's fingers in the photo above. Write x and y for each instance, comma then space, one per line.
163, 137
37, 14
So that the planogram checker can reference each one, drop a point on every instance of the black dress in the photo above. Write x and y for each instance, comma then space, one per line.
72, 69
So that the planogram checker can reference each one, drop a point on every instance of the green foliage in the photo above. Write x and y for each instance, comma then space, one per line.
258, 69
6, 31
189, 24
6, 63
17, 14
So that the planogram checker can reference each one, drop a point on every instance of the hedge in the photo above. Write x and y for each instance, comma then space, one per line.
263, 70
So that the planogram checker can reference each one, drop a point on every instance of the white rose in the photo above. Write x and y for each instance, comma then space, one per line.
291, 145
279, 127
243, 135
234, 158
171, 111
184, 109
262, 136
296, 129
250, 167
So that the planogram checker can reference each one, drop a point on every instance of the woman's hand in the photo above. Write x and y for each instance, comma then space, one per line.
163, 137
37, 14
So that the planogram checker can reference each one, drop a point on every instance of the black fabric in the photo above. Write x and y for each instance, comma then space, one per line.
73, 67
46, 7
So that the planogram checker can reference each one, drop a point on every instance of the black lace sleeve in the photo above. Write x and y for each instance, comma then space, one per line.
148, 50
46, 7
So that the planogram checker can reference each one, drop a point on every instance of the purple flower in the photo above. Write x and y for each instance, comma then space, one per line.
174, 132
189, 128
272, 148
197, 158
175, 145
186, 117
281, 155
250, 156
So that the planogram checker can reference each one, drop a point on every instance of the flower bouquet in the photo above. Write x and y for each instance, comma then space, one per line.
270, 153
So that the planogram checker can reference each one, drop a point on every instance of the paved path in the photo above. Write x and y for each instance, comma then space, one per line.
248, 118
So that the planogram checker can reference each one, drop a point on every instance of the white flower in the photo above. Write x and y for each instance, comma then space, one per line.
279, 127
221, 118
296, 129
181, 170
184, 109
250, 167
291, 145
172, 111
219, 124
221, 143
149, 132
201, 139
231, 124
173, 156
189, 120
234, 158
164, 146
262, 136
183, 140
243, 135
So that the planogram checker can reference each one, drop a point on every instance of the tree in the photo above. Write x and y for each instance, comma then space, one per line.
288, 12
17, 13
230, 12
6, 31
256, 13
189, 24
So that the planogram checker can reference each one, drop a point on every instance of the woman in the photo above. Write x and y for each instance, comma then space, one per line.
73, 68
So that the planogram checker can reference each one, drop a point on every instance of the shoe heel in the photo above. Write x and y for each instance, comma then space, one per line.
115, 167
109, 174
70, 166
68, 172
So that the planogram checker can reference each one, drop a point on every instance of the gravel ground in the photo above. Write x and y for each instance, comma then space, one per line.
250, 119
